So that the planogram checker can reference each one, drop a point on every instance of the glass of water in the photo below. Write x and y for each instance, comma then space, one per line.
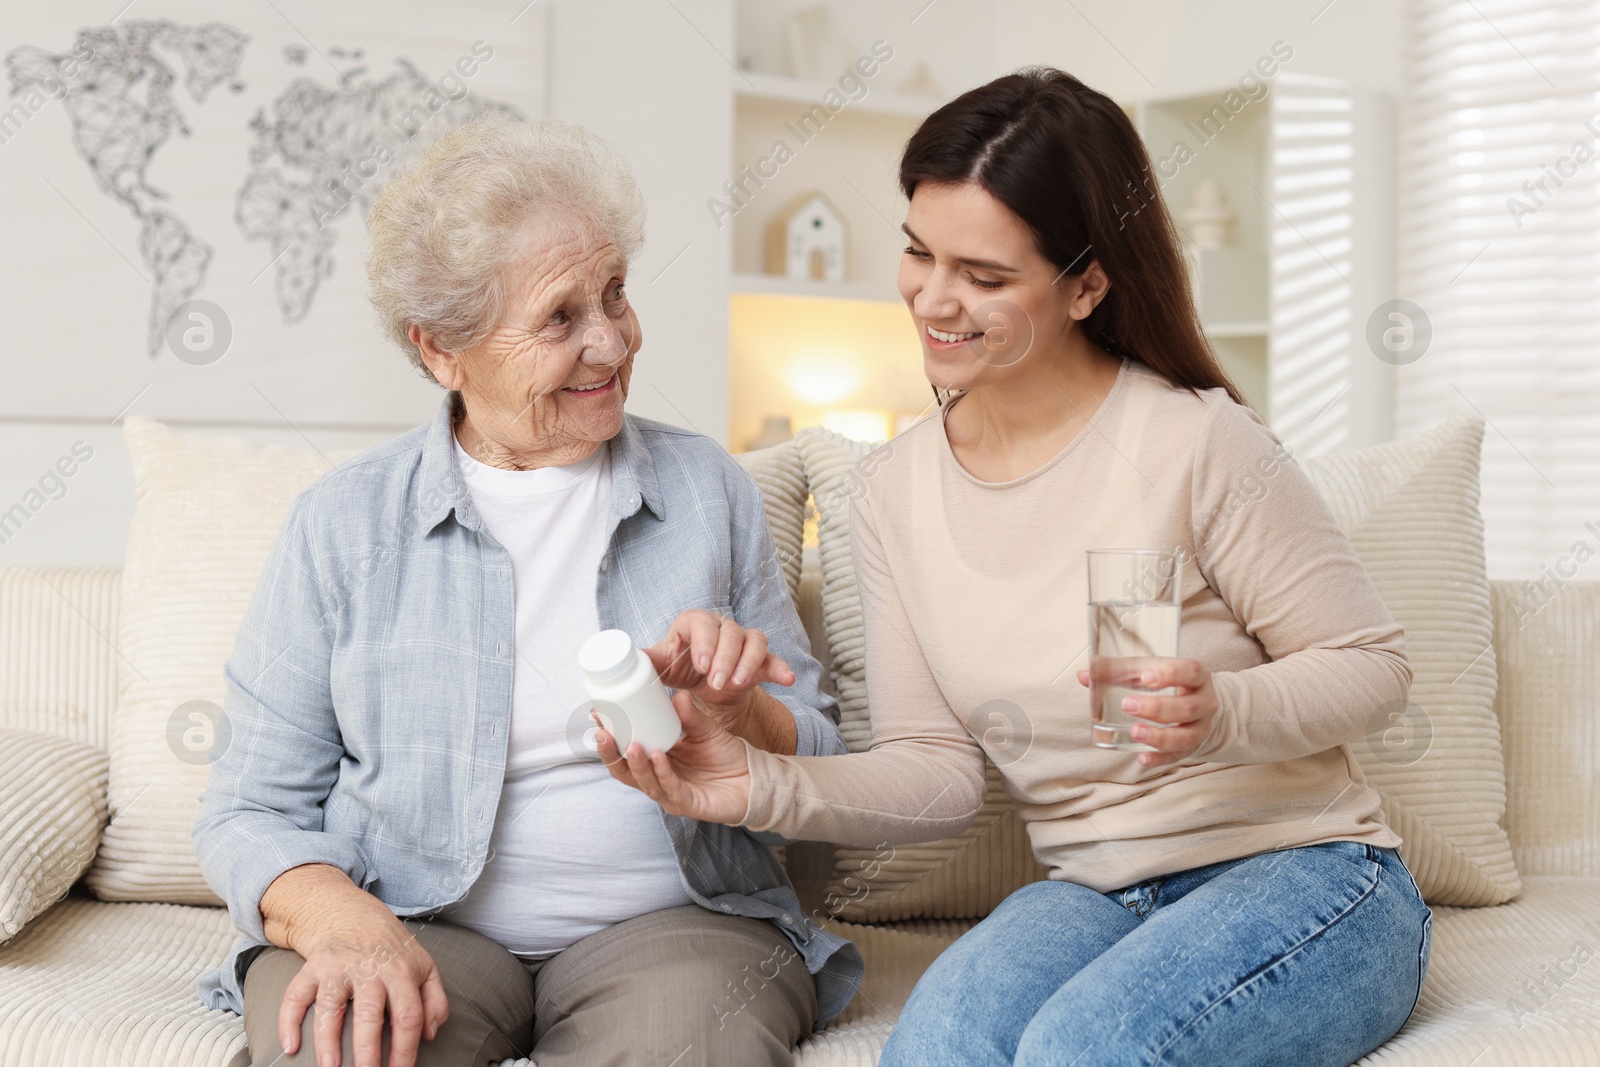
1135, 605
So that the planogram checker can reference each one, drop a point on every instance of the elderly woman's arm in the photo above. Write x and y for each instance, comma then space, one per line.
259, 836
261, 814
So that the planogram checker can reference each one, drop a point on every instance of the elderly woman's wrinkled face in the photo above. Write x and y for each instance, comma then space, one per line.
548, 382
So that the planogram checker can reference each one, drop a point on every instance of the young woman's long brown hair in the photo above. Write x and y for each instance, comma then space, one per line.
1066, 160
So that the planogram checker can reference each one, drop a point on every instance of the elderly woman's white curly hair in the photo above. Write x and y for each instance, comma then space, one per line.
445, 230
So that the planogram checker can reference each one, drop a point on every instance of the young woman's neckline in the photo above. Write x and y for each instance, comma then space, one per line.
1089, 426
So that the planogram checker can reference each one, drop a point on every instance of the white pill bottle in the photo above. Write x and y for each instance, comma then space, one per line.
626, 693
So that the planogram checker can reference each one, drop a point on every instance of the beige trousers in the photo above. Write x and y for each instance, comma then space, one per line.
684, 987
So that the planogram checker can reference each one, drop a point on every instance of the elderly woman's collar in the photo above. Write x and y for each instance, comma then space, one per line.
440, 489
633, 473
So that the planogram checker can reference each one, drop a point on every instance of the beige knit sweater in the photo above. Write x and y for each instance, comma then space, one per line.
976, 624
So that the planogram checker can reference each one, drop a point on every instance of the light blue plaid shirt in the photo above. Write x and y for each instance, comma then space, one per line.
369, 690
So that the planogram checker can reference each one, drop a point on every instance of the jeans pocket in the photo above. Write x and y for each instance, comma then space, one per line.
1354, 851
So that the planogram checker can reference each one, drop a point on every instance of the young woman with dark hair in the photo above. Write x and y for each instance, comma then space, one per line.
1231, 896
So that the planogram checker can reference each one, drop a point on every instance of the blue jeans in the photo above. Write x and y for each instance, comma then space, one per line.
1308, 956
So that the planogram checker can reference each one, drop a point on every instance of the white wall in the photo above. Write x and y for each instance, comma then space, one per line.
643, 76
653, 78
1149, 47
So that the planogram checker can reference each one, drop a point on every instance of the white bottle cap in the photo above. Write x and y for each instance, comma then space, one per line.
608, 654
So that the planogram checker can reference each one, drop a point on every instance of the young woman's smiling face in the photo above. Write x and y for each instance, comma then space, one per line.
982, 296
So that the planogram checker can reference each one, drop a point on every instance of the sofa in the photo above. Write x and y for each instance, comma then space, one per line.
106, 930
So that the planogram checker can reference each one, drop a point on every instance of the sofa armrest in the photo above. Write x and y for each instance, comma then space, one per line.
1547, 648
58, 658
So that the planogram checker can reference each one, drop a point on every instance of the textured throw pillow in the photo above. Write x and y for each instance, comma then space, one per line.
1548, 701
780, 475
1410, 509
52, 808
207, 510
960, 877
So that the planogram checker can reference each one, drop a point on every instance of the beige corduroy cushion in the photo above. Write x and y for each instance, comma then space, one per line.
113, 985
780, 475
1548, 702
52, 808
960, 877
89, 984
58, 662
207, 510
1410, 509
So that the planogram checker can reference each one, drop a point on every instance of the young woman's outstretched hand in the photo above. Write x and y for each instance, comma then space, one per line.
706, 776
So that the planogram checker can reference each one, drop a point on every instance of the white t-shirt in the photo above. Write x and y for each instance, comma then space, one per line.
573, 850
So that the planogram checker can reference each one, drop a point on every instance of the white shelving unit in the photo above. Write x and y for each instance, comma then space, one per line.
1227, 331
852, 160
754, 85
784, 331
1309, 171
777, 285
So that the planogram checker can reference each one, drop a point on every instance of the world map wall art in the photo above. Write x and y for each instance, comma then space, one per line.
185, 185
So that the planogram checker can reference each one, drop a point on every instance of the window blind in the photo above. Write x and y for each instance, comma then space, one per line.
1499, 244
1312, 223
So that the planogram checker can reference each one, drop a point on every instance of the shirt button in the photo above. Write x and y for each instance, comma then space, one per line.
605, 564
787, 920
727, 908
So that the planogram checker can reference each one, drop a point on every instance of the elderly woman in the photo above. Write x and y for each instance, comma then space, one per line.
412, 828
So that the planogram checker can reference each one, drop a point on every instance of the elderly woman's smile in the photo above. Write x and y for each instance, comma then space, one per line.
547, 384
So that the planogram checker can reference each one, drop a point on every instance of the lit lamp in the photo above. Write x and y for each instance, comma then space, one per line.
823, 384
874, 425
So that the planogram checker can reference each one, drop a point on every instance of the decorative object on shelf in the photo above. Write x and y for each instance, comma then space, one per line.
1210, 219
921, 83
775, 430
811, 48
805, 241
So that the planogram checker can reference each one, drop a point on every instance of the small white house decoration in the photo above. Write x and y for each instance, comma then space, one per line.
805, 241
